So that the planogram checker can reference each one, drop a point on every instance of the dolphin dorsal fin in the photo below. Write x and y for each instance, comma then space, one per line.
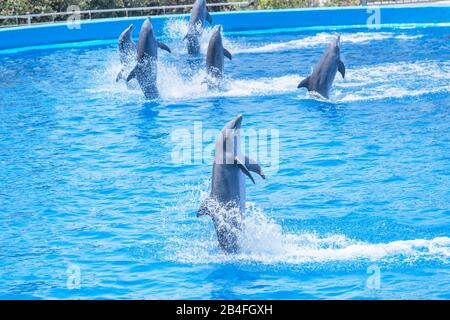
164, 47
244, 169
304, 83
227, 53
341, 68
208, 17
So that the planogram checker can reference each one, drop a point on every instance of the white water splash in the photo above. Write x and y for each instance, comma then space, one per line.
265, 241
392, 80
174, 85
177, 29
321, 39
176, 81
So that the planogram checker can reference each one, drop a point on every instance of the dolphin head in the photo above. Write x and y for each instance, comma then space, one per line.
147, 44
217, 30
228, 142
234, 124
126, 35
147, 28
336, 44
216, 36
128, 31
147, 25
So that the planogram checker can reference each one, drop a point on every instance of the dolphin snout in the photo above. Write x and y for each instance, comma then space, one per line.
338, 40
238, 122
218, 29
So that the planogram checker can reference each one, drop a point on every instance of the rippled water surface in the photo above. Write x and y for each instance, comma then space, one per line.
88, 182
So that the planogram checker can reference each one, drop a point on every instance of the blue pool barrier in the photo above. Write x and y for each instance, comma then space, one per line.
106, 29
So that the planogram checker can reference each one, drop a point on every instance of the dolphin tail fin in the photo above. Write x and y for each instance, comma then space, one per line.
244, 169
253, 166
208, 17
164, 47
341, 68
132, 74
304, 83
227, 53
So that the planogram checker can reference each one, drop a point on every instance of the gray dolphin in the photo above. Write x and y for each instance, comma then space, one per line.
145, 70
226, 202
215, 54
127, 51
322, 77
199, 14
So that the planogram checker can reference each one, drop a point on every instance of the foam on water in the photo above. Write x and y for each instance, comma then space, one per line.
264, 241
176, 29
388, 80
321, 39
174, 85
392, 80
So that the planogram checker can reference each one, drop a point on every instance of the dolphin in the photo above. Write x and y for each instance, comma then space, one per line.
199, 14
127, 51
145, 70
215, 54
322, 77
226, 202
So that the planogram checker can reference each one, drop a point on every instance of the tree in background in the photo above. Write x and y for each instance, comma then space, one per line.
278, 4
15, 7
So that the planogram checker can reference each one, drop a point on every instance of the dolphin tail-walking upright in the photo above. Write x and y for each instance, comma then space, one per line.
127, 51
145, 70
325, 70
215, 55
226, 202
199, 14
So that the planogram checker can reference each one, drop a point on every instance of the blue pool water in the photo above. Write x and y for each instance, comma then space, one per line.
88, 184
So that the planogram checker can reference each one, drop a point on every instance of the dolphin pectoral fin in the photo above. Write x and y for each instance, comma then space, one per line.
341, 68
119, 76
132, 74
304, 83
244, 169
164, 47
208, 17
203, 210
226, 53
253, 166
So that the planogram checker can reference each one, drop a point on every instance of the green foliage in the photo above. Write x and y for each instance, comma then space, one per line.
278, 4
13, 7
18, 7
